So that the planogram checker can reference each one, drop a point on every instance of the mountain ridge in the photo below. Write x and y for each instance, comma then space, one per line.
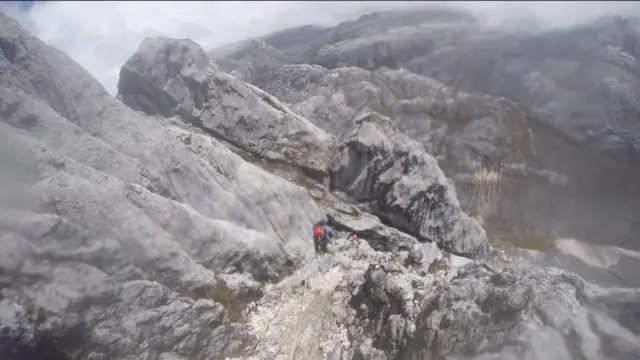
360, 79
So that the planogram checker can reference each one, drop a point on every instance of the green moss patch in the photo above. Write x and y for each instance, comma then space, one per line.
303, 181
221, 294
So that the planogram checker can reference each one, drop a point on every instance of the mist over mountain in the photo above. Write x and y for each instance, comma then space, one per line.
102, 35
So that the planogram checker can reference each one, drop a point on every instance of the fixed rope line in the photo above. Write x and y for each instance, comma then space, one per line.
295, 340
295, 344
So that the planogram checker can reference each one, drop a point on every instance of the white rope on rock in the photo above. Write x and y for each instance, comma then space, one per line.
295, 340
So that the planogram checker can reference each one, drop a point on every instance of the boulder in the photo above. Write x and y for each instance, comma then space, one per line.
174, 77
405, 187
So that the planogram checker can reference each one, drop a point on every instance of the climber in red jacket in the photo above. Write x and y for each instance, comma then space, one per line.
320, 241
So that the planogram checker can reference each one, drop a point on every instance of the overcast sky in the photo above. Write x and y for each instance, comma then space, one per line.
102, 35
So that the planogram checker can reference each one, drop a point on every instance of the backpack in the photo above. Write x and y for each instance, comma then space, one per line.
329, 232
322, 223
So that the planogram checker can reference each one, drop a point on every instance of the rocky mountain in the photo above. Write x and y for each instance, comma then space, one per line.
581, 81
173, 222
403, 184
364, 304
511, 106
118, 219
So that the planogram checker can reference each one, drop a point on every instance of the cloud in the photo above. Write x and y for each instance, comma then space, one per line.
102, 35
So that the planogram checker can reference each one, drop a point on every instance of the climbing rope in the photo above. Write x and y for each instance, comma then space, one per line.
299, 320
295, 339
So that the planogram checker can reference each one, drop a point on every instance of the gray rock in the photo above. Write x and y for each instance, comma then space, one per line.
174, 77
540, 69
118, 228
242, 286
365, 225
546, 72
524, 312
499, 309
379, 165
423, 254
565, 191
151, 54
253, 60
604, 265
71, 295
309, 44
114, 224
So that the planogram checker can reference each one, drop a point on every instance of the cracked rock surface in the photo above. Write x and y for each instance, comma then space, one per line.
512, 101
119, 227
404, 184
365, 304
174, 77
173, 222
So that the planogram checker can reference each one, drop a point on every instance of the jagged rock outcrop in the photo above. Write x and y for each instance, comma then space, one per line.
364, 304
345, 309
403, 184
174, 77
583, 81
462, 130
379, 236
396, 198
544, 70
134, 236
117, 229
548, 185
484, 313
69, 295
251, 61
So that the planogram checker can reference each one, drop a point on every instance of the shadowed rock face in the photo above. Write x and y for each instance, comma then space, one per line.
584, 80
379, 165
566, 86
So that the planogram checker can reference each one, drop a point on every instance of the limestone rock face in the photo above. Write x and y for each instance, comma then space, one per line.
365, 304
174, 77
379, 165
512, 103
406, 206
134, 229
111, 219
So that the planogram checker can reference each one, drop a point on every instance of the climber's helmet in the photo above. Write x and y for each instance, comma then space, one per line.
318, 232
